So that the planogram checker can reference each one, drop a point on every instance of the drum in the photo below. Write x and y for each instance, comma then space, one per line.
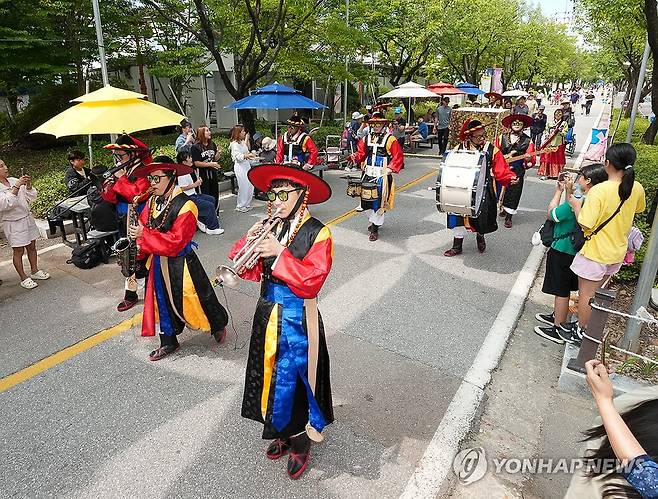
369, 191
354, 188
460, 186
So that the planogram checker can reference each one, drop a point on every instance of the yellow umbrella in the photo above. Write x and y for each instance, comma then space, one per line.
109, 93
119, 111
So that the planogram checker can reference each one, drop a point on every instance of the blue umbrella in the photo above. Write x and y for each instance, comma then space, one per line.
275, 96
470, 89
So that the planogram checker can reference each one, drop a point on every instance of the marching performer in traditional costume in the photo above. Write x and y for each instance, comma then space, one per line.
296, 146
553, 162
121, 190
473, 138
514, 142
379, 155
287, 385
178, 291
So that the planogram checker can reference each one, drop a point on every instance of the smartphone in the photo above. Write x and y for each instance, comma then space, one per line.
563, 176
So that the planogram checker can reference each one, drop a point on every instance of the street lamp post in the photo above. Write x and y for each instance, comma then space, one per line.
101, 43
347, 23
638, 91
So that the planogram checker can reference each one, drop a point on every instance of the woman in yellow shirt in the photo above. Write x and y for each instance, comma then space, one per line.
606, 218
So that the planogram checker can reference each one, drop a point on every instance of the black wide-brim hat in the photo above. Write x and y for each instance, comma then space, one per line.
180, 170
261, 176
510, 118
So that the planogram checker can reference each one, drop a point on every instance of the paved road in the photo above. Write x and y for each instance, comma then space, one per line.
404, 324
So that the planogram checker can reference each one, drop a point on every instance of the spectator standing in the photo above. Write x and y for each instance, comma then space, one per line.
355, 126
21, 231
77, 174
241, 165
185, 140
399, 125
443, 127
208, 220
581, 99
538, 126
559, 279
589, 100
205, 155
521, 107
540, 97
532, 104
609, 210
507, 104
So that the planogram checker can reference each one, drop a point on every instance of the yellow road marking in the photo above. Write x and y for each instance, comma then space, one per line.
63, 355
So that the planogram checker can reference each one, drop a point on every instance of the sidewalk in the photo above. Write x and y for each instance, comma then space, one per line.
524, 414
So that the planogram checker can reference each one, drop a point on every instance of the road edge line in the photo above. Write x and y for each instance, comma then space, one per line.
65, 354
436, 462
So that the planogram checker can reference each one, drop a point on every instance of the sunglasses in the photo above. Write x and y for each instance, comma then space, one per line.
282, 195
155, 179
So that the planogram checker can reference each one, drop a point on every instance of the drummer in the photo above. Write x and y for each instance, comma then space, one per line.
380, 155
473, 138
514, 142
296, 146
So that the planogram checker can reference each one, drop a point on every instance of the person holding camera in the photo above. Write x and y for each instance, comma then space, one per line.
559, 279
21, 231
186, 139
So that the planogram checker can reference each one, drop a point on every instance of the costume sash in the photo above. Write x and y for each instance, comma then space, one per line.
292, 359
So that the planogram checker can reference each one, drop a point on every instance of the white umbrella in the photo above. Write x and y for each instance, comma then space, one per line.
409, 91
515, 93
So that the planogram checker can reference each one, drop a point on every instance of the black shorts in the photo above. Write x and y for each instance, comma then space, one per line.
559, 279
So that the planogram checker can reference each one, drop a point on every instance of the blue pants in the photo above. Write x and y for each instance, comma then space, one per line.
207, 213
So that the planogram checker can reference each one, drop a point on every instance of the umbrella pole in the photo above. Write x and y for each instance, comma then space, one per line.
91, 151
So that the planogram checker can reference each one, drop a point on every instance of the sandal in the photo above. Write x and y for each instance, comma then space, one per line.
28, 283
278, 448
41, 275
162, 352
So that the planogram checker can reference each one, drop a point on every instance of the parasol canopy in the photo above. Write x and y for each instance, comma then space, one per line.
107, 111
275, 96
470, 89
409, 90
442, 88
515, 93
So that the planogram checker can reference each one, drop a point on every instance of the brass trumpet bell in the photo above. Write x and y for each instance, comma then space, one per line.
226, 276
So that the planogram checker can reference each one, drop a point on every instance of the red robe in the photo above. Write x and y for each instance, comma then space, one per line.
125, 189
308, 147
393, 149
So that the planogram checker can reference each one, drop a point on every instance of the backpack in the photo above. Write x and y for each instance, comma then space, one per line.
88, 256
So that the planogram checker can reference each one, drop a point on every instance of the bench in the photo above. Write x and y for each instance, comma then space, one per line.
429, 141
231, 176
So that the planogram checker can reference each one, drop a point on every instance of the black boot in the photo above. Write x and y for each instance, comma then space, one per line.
374, 232
299, 455
482, 244
456, 247
129, 301
508, 221
168, 344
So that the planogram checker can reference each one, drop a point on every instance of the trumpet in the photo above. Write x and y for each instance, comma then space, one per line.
247, 257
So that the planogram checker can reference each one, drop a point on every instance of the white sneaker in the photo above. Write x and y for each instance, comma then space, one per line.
245, 209
28, 283
358, 208
215, 232
41, 275
201, 226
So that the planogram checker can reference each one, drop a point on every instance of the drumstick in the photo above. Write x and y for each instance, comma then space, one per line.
501, 198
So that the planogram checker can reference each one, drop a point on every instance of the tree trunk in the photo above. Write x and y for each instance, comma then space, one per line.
246, 118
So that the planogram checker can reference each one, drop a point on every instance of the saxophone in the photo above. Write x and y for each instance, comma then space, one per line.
126, 248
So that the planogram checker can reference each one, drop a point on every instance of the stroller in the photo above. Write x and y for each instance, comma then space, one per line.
570, 142
334, 152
